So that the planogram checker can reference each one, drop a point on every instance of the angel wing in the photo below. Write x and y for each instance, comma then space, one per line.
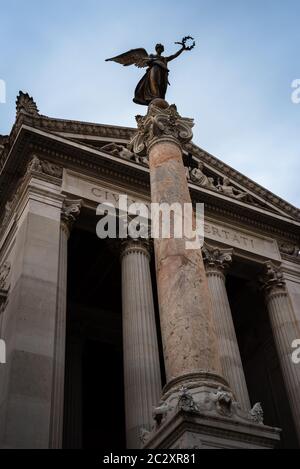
137, 57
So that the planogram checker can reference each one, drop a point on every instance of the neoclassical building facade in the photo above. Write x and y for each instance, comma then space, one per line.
96, 355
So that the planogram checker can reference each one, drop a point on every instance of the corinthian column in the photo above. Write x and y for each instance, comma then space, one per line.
189, 338
285, 329
217, 262
70, 210
141, 357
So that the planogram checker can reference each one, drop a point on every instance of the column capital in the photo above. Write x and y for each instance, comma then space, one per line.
162, 123
216, 260
140, 245
272, 279
70, 211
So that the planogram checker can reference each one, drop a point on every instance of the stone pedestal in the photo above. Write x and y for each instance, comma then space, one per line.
286, 329
141, 358
188, 431
193, 367
217, 262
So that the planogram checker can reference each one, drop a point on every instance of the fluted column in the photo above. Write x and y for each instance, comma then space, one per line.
286, 329
141, 357
70, 210
216, 263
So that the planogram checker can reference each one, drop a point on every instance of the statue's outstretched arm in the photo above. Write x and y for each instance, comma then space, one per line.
177, 54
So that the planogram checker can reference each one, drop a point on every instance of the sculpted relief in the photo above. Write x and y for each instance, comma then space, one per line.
197, 176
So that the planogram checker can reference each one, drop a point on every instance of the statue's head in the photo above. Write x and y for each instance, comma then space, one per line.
200, 165
226, 181
159, 48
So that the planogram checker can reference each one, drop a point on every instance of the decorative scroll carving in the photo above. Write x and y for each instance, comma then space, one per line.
257, 414
70, 211
45, 167
161, 121
216, 258
272, 278
26, 104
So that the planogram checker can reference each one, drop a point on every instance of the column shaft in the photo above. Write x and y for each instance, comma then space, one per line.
141, 357
228, 346
285, 330
188, 332
57, 411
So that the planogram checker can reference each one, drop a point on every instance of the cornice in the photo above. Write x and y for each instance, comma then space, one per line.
65, 126
77, 155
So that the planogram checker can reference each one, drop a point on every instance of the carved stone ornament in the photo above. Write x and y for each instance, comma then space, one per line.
161, 122
26, 104
227, 189
144, 436
125, 153
44, 167
197, 176
186, 401
4, 273
216, 258
257, 414
290, 249
272, 278
224, 402
160, 413
70, 211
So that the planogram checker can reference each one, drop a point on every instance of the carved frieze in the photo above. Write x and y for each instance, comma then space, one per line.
125, 153
37, 165
291, 250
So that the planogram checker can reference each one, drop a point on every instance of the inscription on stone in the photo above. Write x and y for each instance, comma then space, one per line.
259, 245
86, 188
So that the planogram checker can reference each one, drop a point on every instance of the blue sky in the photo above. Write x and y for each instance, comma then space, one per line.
236, 84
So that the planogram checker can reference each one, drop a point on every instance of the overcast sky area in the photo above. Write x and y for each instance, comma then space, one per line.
236, 83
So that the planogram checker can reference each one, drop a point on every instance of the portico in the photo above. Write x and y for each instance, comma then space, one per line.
75, 303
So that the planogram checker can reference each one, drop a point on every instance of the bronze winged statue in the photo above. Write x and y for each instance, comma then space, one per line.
155, 82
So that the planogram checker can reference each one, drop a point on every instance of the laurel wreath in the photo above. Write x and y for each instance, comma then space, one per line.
184, 42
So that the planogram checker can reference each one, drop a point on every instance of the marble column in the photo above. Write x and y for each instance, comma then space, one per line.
70, 210
216, 262
141, 357
286, 329
188, 332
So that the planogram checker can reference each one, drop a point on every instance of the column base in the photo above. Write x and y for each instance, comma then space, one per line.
204, 414
185, 430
